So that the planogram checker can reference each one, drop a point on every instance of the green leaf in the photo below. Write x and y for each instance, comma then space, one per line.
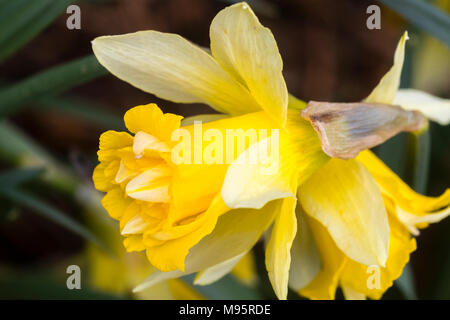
22, 20
23, 198
424, 16
227, 288
84, 110
13, 178
49, 83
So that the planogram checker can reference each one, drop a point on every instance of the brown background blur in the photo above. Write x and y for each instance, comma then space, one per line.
328, 53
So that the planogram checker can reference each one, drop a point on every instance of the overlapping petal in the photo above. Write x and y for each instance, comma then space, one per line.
249, 52
343, 196
172, 68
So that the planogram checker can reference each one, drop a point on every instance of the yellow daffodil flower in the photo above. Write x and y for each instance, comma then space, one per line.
329, 218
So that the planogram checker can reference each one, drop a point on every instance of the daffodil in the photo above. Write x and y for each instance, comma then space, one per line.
326, 219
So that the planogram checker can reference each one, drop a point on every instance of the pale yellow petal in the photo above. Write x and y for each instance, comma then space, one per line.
204, 118
216, 272
386, 89
434, 108
248, 51
415, 221
172, 68
305, 258
345, 198
278, 251
253, 179
351, 294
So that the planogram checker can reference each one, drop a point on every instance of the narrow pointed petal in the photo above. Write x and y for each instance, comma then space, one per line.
324, 285
398, 190
345, 198
248, 51
415, 221
386, 89
172, 68
305, 257
278, 251
432, 107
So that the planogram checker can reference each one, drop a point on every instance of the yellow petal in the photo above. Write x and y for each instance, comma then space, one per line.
345, 198
171, 254
144, 141
123, 173
135, 225
150, 119
432, 107
278, 251
115, 202
324, 285
295, 103
374, 281
112, 141
134, 243
305, 263
403, 196
102, 180
216, 272
151, 185
248, 51
252, 185
386, 89
172, 68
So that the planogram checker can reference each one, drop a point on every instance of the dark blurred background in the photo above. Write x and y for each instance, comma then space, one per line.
328, 53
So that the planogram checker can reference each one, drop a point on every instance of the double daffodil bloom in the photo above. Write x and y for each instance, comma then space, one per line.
328, 218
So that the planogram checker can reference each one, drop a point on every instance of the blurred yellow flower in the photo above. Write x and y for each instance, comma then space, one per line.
330, 219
